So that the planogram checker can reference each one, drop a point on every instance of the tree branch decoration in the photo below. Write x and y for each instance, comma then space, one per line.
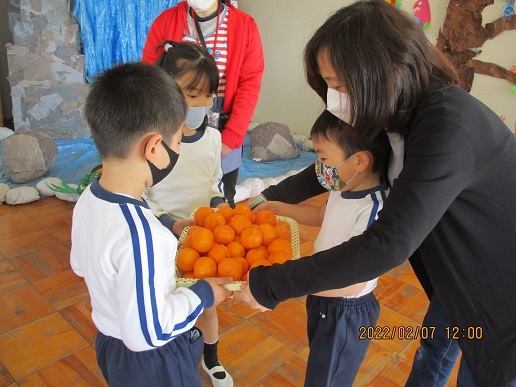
462, 36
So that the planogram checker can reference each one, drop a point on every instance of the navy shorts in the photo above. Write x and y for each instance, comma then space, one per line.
336, 350
174, 364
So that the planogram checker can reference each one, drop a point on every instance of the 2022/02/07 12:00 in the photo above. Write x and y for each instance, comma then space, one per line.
400, 332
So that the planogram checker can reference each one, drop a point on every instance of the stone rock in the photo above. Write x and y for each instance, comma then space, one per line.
5, 132
43, 188
27, 156
242, 193
254, 185
68, 197
272, 141
268, 181
13, 11
46, 69
280, 178
304, 142
37, 107
252, 125
21, 195
3, 190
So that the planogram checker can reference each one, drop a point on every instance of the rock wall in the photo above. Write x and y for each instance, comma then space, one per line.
46, 71
14, 13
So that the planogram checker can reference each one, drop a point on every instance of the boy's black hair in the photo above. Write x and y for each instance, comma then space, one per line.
181, 58
384, 60
130, 100
329, 127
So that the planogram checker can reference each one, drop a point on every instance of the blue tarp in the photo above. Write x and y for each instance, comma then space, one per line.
250, 168
114, 31
77, 157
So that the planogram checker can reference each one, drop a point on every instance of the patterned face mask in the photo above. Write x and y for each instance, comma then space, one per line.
328, 176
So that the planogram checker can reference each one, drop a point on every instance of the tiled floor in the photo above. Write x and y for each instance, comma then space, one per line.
47, 336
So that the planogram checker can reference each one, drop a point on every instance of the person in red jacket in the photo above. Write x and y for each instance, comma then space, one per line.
232, 37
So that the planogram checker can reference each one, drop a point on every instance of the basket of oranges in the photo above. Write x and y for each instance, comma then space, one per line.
229, 242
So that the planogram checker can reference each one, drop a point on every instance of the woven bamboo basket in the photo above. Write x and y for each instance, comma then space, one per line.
235, 285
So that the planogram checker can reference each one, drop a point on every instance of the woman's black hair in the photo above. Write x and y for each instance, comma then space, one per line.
384, 60
181, 58
330, 128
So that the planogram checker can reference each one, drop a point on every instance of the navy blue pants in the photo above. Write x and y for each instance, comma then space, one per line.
174, 364
336, 350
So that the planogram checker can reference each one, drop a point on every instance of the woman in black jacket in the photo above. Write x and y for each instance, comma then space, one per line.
453, 175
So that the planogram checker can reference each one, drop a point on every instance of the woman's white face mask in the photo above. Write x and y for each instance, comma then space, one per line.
339, 105
200, 5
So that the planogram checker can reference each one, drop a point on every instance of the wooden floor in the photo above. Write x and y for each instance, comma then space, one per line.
47, 336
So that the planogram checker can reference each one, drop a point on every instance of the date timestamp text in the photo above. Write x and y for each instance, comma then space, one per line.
400, 332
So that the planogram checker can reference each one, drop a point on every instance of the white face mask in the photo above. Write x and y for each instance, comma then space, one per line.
195, 116
339, 105
200, 5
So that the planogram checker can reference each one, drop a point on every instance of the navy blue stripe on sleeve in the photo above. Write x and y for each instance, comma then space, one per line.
138, 270
150, 260
374, 210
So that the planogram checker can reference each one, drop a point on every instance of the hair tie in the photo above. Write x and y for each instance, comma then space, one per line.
167, 46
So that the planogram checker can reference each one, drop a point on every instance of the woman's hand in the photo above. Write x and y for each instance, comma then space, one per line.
245, 296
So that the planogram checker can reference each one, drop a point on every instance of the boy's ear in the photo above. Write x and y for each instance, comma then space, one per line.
151, 147
363, 160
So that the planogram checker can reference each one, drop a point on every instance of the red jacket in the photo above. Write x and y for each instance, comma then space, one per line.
244, 67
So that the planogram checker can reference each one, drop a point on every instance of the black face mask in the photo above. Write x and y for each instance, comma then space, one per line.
160, 174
